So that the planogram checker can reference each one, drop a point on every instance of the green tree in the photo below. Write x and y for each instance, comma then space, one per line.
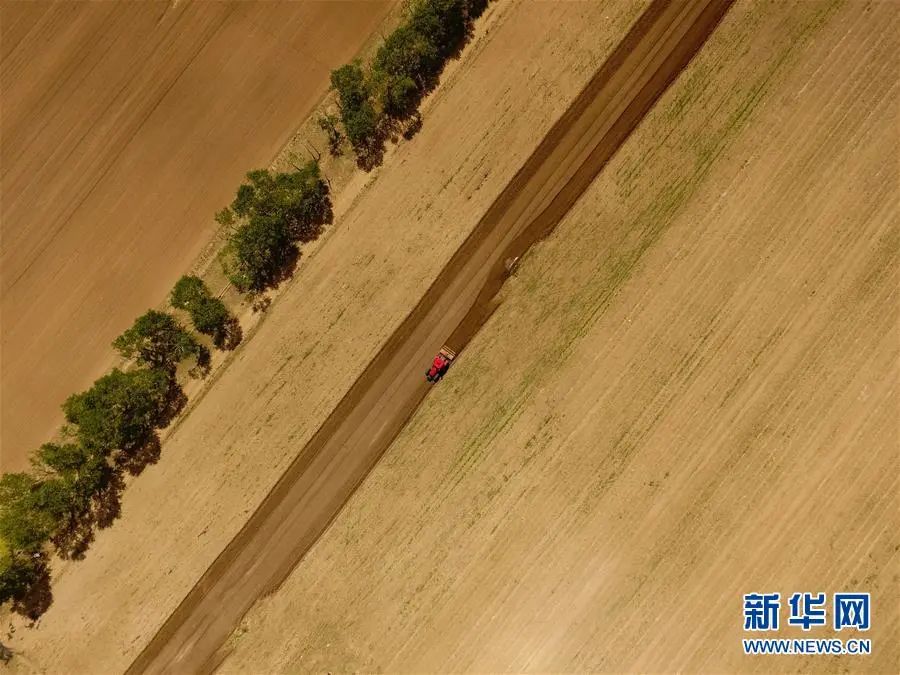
209, 315
399, 96
73, 478
444, 24
406, 53
82, 472
358, 115
20, 572
188, 292
157, 340
298, 199
27, 517
257, 253
120, 411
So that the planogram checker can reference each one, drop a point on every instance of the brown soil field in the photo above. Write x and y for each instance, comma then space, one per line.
380, 402
391, 238
124, 127
688, 393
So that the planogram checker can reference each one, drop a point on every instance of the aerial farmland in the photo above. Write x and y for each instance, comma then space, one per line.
576, 349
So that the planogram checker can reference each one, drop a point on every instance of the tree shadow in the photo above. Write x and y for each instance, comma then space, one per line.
203, 364
284, 271
413, 126
73, 542
229, 336
175, 402
373, 154
138, 459
313, 230
107, 505
39, 596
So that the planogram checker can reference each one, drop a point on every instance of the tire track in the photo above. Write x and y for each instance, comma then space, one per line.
342, 452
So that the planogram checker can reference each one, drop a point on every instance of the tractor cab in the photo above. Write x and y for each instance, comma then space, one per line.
440, 364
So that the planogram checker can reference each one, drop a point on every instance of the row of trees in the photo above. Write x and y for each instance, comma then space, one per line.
74, 486
376, 99
271, 214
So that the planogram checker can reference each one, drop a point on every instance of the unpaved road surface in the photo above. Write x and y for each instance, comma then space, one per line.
125, 126
342, 452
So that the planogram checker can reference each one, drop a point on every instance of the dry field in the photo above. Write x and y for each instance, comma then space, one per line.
688, 394
390, 240
337, 459
124, 127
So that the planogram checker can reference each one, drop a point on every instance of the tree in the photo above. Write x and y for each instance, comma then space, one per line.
399, 96
73, 481
406, 53
188, 292
209, 315
25, 580
358, 115
257, 253
298, 199
82, 473
120, 411
349, 81
157, 340
444, 24
26, 517
277, 210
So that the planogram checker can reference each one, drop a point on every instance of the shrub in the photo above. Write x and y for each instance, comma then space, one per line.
328, 124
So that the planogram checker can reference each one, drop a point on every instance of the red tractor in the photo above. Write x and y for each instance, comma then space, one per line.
441, 364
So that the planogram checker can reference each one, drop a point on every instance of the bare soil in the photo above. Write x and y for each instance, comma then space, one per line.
125, 126
688, 393
357, 432
391, 238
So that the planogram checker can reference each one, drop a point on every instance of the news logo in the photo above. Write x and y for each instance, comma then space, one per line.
807, 611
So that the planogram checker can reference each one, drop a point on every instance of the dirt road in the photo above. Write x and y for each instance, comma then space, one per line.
689, 392
342, 452
124, 127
